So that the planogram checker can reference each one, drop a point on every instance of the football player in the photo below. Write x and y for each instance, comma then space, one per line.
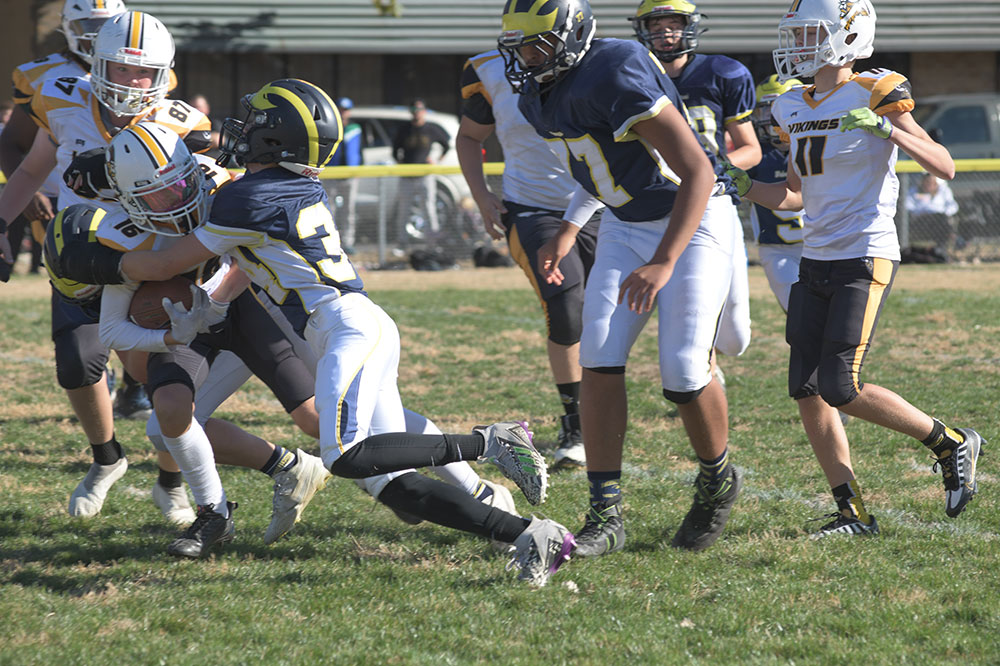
778, 233
719, 95
276, 223
609, 108
154, 175
133, 53
845, 132
536, 193
79, 23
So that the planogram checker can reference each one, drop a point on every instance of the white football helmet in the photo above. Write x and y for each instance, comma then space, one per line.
137, 39
816, 33
81, 19
157, 179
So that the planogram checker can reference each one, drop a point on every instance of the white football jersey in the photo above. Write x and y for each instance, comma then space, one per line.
29, 77
849, 184
70, 112
116, 230
533, 175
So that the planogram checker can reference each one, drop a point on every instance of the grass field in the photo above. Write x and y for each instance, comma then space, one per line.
351, 584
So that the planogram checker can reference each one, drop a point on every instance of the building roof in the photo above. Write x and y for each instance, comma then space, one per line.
471, 26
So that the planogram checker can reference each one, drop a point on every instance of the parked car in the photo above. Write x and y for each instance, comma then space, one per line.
969, 125
379, 125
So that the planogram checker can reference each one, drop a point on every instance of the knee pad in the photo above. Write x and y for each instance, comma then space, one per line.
564, 312
80, 357
682, 397
610, 370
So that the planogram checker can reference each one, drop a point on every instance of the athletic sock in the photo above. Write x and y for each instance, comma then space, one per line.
170, 479
942, 439
569, 394
193, 454
849, 502
483, 492
107, 453
280, 460
605, 487
712, 473
128, 380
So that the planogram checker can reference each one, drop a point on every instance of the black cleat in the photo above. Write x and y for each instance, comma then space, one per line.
132, 402
707, 517
208, 529
849, 525
603, 531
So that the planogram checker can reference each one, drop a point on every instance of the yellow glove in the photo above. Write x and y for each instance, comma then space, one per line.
867, 120
739, 177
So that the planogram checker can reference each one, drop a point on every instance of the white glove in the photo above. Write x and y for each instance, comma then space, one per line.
185, 324
217, 311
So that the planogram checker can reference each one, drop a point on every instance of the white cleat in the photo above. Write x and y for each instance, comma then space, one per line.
293, 490
174, 504
88, 497
541, 549
509, 447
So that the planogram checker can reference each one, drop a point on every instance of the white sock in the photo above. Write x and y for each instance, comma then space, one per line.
459, 474
193, 454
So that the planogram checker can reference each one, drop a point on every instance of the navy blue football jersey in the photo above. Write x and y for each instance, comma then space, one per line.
774, 227
588, 115
278, 227
717, 91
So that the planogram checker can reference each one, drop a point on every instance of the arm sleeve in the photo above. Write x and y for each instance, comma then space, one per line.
891, 93
476, 103
115, 329
582, 206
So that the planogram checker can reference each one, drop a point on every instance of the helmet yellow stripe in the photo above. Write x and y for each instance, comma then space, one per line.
135, 34
151, 144
529, 21
98, 4
259, 101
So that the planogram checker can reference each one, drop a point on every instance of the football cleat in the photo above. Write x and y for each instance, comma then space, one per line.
293, 490
509, 447
958, 468
208, 529
570, 453
709, 512
841, 524
603, 531
89, 495
133, 403
174, 504
540, 550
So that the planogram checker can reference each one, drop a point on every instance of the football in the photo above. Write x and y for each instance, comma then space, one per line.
147, 310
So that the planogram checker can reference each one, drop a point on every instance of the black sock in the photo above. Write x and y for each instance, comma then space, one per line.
605, 487
569, 394
942, 438
107, 453
444, 504
396, 451
280, 460
169, 479
849, 502
713, 472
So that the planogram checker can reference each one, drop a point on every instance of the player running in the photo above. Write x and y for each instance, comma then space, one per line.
845, 132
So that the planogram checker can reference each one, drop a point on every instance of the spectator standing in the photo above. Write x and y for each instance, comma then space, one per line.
348, 154
412, 145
